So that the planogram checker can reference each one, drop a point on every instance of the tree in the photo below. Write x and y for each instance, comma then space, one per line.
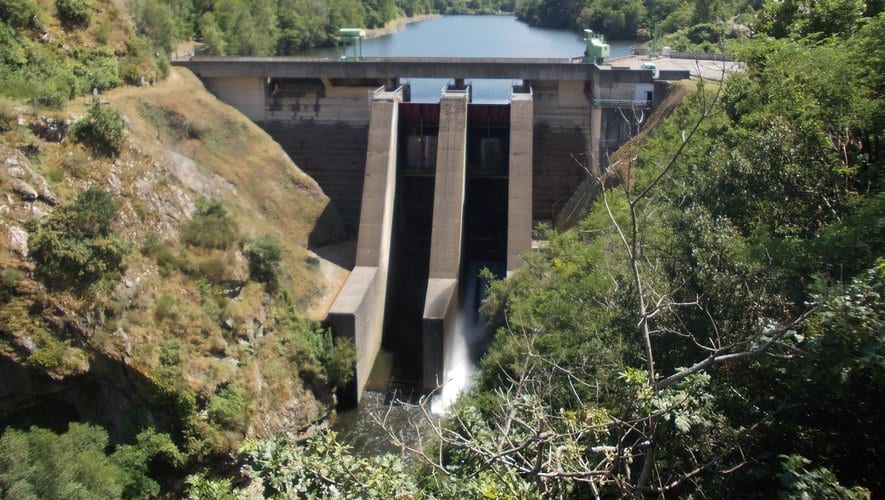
41, 464
102, 131
264, 256
670, 339
74, 247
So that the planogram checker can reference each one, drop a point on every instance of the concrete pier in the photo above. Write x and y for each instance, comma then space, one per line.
358, 312
519, 194
440, 305
530, 160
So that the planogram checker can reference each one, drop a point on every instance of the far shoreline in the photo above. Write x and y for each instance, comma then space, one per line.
398, 24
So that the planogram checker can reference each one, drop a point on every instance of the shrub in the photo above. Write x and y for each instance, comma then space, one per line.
211, 226
74, 247
170, 353
20, 13
101, 131
167, 260
264, 256
166, 308
74, 13
156, 21
49, 97
229, 407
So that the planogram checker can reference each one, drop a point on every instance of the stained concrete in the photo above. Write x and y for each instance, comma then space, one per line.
447, 233
519, 193
358, 311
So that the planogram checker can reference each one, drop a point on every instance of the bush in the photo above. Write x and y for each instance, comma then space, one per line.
211, 226
229, 408
167, 260
73, 13
74, 247
156, 21
264, 256
101, 131
20, 13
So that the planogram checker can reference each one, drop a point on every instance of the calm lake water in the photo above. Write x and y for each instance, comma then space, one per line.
474, 36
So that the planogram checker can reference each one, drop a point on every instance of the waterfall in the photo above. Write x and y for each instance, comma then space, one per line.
462, 349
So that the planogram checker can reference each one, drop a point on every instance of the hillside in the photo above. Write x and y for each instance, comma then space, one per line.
200, 329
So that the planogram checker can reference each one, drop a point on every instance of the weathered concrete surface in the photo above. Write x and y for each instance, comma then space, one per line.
333, 154
246, 93
519, 194
561, 144
301, 67
703, 68
440, 310
447, 232
449, 190
358, 312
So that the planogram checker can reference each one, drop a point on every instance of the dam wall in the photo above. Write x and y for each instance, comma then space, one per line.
520, 182
358, 311
440, 304
433, 189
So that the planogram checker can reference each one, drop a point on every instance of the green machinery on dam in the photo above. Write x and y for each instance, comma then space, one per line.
427, 186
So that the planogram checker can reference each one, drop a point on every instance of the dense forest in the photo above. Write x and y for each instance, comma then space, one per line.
712, 328
266, 27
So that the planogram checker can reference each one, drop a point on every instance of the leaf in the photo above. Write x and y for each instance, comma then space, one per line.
682, 422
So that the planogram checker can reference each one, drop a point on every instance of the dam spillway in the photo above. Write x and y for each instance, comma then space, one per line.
429, 188
446, 204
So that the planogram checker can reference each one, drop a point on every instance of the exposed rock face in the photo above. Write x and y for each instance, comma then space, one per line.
18, 241
180, 315
111, 394
25, 181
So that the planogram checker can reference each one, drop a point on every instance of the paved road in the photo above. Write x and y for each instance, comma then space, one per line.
710, 70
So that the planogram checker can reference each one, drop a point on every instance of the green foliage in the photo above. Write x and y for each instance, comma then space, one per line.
167, 259
74, 13
631, 19
323, 467
156, 21
229, 407
799, 482
41, 464
202, 487
615, 19
20, 13
311, 347
102, 131
74, 247
264, 256
166, 308
816, 19
847, 335
210, 227
170, 353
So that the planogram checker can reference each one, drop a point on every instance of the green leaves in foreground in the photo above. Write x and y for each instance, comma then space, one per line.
41, 464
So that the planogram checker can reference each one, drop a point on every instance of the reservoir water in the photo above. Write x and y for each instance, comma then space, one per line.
473, 36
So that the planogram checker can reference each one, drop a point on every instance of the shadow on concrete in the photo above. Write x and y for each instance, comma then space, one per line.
328, 228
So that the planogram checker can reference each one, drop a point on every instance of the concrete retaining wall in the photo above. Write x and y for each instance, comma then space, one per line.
519, 193
440, 304
358, 312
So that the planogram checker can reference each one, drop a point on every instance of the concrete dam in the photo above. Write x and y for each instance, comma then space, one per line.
429, 186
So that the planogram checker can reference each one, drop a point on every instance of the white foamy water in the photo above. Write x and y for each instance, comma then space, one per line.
459, 358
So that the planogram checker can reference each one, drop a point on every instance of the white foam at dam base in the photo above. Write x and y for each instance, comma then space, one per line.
459, 367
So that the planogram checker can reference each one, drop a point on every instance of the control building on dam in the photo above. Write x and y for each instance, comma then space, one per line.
428, 187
